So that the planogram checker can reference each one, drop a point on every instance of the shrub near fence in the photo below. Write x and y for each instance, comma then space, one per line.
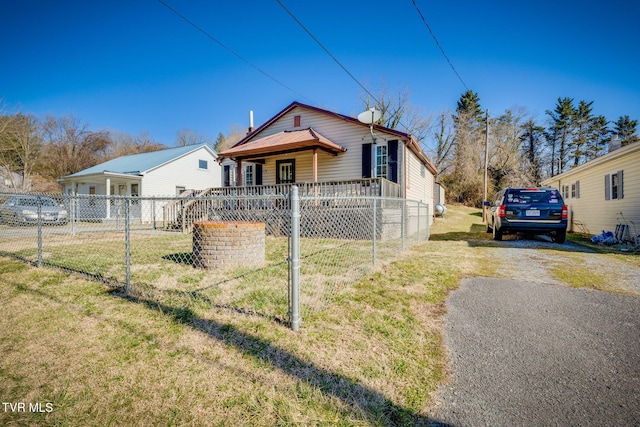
134, 244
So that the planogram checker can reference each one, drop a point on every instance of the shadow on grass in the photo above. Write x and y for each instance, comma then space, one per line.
185, 258
377, 409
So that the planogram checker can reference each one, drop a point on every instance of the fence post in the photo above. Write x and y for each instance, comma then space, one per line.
73, 206
295, 259
403, 222
39, 213
374, 231
127, 246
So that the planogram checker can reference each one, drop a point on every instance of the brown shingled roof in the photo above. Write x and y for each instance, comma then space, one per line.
282, 142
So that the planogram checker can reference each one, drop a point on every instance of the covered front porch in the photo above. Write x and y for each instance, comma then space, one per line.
100, 189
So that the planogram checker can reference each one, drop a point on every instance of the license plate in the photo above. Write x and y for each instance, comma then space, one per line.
532, 212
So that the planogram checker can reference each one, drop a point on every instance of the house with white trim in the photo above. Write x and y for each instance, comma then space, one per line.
603, 192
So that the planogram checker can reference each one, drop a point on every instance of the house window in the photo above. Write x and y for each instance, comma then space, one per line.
180, 190
92, 192
571, 190
422, 170
614, 186
135, 190
296, 121
248, 175
381, 161
575, 190
203, 164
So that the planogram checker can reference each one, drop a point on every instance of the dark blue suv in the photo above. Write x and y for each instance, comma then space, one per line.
537, 210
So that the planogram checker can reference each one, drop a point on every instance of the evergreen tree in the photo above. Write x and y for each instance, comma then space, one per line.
626, 130
582, 119
599, 135
533, 139
562, 128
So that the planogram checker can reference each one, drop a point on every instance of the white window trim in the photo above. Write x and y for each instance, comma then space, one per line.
249, 171
378, 175
619, 185
206, 163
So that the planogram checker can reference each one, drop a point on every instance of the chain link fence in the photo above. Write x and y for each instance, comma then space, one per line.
234, 253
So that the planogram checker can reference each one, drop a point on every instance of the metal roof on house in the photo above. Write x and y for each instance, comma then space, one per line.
285, 141
138, 164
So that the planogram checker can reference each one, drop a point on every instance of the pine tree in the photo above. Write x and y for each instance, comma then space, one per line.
626, 130
562, 128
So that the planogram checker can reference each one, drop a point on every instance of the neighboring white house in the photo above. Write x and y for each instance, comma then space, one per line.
603, 192
332, 153
158, 173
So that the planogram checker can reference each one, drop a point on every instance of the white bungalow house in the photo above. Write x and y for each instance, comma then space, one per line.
158, 173
603, 192
330, 154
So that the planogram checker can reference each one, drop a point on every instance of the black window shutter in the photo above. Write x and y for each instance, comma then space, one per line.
392, 159
607, 187
577, 189
620, 185
258, 174
366, 160
227, 176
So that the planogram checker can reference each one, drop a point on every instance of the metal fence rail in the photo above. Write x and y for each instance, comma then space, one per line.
131, 243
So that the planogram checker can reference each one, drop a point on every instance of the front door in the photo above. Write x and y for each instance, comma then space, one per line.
286, 171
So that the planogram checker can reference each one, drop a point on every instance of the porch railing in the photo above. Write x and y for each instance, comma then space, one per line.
180, 214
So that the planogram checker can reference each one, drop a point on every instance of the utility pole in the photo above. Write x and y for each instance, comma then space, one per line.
486, 165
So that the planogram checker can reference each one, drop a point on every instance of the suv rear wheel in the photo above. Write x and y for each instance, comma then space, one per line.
497, 234
560, 236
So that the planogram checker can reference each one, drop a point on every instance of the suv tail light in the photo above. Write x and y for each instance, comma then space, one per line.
502, 211
565, 212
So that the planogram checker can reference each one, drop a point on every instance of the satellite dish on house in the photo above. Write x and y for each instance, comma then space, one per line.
370, 116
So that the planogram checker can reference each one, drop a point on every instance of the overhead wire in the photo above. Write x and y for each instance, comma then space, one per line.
315, 39
332, 56
233, 52
435, 39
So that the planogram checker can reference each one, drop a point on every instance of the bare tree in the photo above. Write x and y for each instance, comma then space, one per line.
71, 146
20, 148
186, 136
396, 112
444, 141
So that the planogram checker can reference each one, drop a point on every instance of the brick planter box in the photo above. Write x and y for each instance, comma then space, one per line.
221, 244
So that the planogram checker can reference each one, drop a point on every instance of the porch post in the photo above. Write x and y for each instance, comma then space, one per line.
107, 192
315, 165
239, 174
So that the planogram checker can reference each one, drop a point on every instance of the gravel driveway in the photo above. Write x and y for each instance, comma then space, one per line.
526, 350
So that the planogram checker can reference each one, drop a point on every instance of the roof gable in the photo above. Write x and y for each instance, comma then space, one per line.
140, 163
410, 141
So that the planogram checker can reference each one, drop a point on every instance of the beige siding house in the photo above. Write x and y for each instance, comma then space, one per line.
331, 153
604, 192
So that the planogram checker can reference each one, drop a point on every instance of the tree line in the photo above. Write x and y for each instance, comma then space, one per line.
522, 150
35, 152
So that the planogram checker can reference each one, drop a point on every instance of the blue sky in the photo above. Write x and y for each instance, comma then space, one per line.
134, 66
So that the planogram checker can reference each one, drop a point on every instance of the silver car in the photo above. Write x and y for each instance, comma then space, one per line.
19, 210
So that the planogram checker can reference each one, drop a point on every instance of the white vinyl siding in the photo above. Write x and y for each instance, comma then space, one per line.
591, 212
182, 172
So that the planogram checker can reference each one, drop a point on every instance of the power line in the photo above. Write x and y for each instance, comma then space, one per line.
438, 43
233, 52
315, 39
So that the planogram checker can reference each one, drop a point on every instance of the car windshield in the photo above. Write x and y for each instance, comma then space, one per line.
32, 201
533, 196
